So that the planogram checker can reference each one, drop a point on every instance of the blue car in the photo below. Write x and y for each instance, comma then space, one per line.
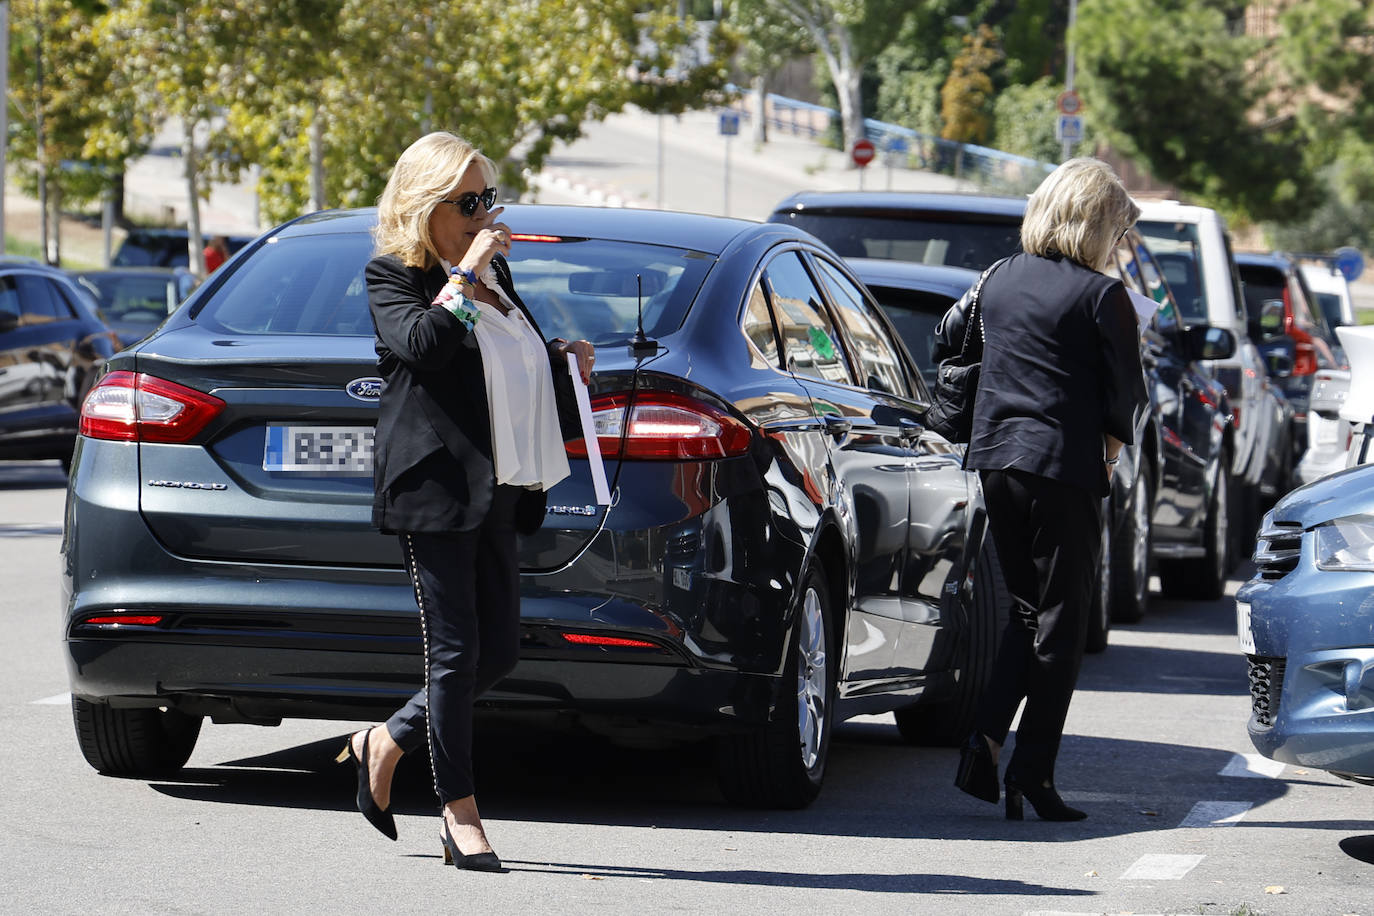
1306, 625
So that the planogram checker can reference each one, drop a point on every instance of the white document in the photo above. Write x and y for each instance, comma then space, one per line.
1144, 306
584, 410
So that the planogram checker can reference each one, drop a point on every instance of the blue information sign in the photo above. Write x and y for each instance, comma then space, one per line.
1350, 262
729, 123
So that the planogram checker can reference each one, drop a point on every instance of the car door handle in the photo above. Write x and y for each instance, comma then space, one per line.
909, 429
837, 426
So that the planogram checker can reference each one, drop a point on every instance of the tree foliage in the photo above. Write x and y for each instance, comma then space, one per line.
1174, 85
966, 97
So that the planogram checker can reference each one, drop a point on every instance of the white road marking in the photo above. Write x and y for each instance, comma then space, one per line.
1216, 814
1251, 765
61, 699
1161, 867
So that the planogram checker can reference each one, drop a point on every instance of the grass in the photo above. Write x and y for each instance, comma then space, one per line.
1364, 316
35, 250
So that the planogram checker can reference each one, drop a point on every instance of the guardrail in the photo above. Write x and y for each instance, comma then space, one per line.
903, 147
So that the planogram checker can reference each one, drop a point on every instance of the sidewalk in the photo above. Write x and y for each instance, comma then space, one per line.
82, 243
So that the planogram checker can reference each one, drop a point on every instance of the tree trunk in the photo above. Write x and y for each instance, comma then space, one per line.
55, 244
759, 84
838, 49
195, 242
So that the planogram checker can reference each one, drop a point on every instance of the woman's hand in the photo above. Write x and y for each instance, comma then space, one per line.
586, 356
494, 237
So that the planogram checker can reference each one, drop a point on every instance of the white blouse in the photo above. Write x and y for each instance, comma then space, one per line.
526, 440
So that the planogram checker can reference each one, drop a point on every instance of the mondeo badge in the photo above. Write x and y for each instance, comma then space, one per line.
365, 389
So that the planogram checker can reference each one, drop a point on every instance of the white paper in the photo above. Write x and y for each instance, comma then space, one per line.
584, 410
1144, 306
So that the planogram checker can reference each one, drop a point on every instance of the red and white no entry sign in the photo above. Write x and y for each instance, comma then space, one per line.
863, 152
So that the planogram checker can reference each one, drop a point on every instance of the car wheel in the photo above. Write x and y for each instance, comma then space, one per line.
134, 742
1100, 614
1204, 577
947, 723
782, 764
1131, 554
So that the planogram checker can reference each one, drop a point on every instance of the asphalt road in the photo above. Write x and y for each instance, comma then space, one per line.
262, 820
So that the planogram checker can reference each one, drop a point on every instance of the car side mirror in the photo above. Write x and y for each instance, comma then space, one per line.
1279, 364
1206, 342
8, 321
1271, 319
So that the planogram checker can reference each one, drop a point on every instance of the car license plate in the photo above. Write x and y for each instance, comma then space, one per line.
1243, 629
328, 450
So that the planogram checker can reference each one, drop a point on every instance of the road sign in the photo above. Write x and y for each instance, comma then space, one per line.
1068, 129
863, 152
729, 123
896, 145
1350, 262
1069, 103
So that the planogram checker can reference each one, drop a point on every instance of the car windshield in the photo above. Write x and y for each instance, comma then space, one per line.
591, 288
961, 240
1175, 249
309, 284
129, 298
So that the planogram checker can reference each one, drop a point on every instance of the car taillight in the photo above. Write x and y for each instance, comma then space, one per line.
137, 407
663, 426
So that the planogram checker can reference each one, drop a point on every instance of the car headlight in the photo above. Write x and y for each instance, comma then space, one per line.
1346, 544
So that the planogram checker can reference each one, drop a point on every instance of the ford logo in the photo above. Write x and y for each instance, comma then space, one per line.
365, 389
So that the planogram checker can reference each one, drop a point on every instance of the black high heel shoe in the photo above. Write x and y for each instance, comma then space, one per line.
478, 861
376, 816
977, 772
1043, 798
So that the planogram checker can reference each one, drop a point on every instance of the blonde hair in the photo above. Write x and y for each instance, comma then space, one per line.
1079, 211
428, 171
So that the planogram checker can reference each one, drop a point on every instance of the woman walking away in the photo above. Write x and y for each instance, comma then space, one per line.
468, 440
1058, 394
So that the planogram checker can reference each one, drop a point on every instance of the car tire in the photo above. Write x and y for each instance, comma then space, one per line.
1101, 612
134, 742
949, 722
1204, 577
1131, 554
782, 764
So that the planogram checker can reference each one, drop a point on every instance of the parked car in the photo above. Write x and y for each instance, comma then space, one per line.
164, 248
1330, 293
1193, 248
1176, 499
134, 300
1306, 626
1293, 330
52, 344
1357, 409
786, 545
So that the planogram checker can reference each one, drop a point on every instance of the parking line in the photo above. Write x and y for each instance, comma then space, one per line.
1216, 814
1161, 867
61, 699
1253, 766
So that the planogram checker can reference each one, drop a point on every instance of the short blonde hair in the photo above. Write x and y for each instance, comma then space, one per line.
1079, 211
428, 171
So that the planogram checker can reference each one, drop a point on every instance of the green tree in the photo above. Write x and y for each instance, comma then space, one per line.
767, 40
1024, 118
1174, 85
966, 97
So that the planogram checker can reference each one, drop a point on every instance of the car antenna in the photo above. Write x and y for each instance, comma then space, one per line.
641, 346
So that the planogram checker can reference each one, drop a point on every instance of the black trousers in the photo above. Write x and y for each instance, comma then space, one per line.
1048, 535
467, 585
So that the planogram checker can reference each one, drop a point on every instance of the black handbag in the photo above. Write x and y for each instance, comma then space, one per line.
956, 380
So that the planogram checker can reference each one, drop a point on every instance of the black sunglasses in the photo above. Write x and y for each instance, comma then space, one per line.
467, 203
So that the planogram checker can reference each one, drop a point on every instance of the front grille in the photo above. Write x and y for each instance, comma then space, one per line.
1277, 548
1266, 686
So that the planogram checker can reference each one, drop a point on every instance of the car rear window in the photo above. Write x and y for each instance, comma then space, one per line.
308, 284
122, 295
1260, 284
591, 288
960, 240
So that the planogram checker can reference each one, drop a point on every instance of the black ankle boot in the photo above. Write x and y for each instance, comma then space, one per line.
977, 772
1043, 798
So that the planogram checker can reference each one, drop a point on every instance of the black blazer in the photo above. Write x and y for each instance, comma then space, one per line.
433, 465
1061, 368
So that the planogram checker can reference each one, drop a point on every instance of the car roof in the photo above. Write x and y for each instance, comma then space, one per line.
935, 278
1324, 278
1173, 211
902, 202
710, 234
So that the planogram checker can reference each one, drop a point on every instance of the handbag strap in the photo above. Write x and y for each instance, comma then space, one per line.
975, 314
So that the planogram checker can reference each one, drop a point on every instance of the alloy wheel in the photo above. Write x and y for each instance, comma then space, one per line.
812, 678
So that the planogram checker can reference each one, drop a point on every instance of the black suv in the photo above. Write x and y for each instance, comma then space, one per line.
164, 248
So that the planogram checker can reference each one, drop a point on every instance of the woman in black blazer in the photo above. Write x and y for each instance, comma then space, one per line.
469, 438
1058, 394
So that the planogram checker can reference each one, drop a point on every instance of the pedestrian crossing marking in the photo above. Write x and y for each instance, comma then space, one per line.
1253, 766
61, 699
1161, 867
1216, 814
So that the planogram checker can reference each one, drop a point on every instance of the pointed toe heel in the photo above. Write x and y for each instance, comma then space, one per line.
376, 816
1014, 810
977, 773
